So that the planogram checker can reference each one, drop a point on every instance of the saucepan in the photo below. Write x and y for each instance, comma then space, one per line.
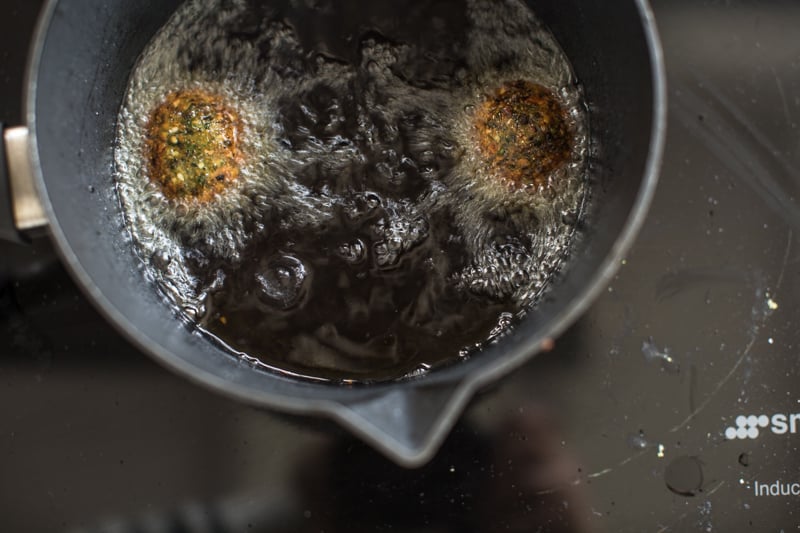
58, 171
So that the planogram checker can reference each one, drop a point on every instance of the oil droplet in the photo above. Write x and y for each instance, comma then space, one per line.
637, 441
652, 352
684, 476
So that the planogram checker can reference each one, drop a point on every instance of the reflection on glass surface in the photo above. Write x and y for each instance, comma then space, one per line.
520, 478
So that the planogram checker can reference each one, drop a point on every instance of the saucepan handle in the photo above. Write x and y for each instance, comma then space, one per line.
20, 209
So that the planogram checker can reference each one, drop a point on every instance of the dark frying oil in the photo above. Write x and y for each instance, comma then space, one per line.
365, 239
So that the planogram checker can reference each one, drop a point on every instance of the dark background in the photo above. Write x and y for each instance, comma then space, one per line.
620, 428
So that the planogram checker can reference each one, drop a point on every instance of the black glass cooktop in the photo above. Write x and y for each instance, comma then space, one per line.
673, 405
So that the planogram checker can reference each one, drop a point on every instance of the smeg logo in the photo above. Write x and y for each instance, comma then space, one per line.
752, 426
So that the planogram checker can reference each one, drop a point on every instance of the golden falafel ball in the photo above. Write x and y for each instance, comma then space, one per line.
193, 146
523, 134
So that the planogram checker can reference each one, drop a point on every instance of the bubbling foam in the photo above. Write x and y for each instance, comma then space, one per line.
365, 238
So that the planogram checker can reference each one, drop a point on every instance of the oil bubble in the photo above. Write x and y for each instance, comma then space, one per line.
282, 282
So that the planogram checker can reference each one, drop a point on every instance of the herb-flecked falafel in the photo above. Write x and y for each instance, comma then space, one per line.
523, 134
193, 146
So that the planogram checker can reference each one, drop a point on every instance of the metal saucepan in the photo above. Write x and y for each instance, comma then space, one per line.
59, 172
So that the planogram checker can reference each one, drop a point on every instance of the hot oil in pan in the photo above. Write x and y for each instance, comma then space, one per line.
408, 177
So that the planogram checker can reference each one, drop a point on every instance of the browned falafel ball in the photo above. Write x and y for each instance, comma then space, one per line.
523, 134
193, 145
